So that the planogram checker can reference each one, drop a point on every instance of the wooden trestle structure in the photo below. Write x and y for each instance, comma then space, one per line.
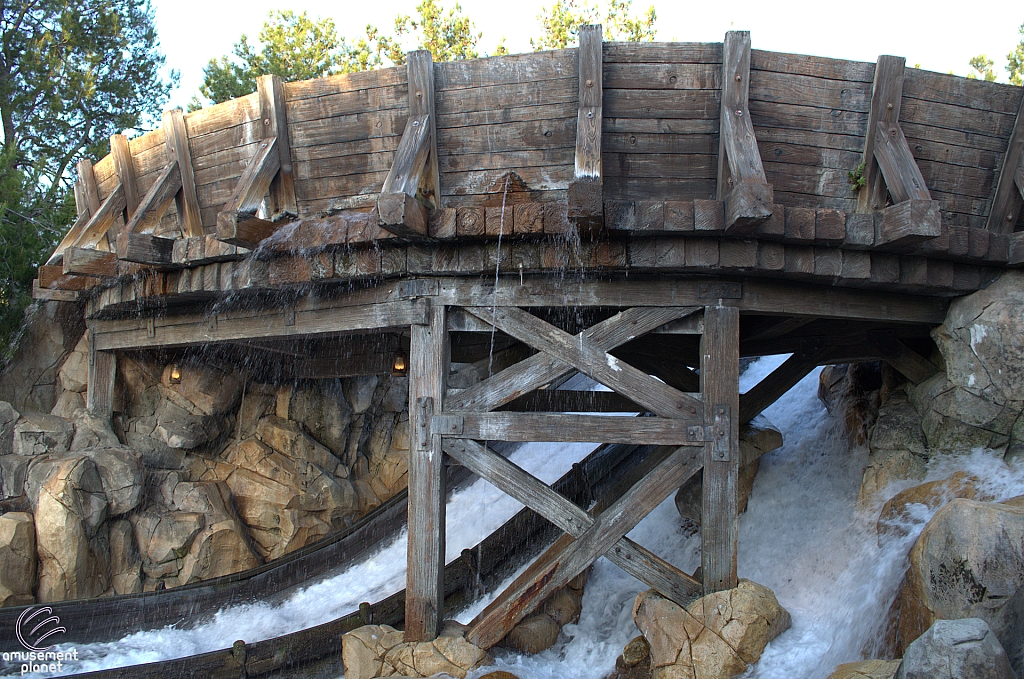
632, 212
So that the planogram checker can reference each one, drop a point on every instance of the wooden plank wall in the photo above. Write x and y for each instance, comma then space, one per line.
661, 111
506, 114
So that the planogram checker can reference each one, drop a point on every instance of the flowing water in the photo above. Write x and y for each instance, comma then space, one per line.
802, 536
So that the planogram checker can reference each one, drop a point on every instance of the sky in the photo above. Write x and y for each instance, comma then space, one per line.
938, 36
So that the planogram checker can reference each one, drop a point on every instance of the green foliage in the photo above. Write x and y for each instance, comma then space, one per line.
449, 36
982, 67
856, 178
561, 24
71, 74
1015, 61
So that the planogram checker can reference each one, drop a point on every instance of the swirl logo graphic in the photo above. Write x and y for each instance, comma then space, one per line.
36, 625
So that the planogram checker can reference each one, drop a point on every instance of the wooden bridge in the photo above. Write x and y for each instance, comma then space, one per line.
633, 212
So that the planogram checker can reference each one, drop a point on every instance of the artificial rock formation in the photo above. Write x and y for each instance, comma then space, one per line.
866, 669
17, 559
896, 513
956, 649
539, 631
381, 651
968, 563
898, 449
715, 637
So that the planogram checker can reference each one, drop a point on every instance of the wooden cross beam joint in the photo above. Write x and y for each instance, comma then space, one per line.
742, 185
1008, 196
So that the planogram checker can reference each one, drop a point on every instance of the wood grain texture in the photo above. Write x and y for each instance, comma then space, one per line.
886, 102
421, 103
274, 116
585, 192
156, 201
177, 146
1007, 199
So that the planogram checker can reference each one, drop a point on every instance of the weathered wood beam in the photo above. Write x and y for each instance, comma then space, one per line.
410, 158
540, 369
420, 67
719, 371
664, 365
428, 369
619, 376
244, 230
145, 248
154, 204
557, 567
570, 401
1007, 198
273, 112
586, 190
69, 238
52, 277
89, 262
1016, 249
742, 185
96, 228
886, 101
908, 362
255, 181
186, 200
773, 386
56, 295
87, 193
99, 397
263, 324
538, 496
505, 426
911, 221
782, 326
125, 170
402, 215
902, 176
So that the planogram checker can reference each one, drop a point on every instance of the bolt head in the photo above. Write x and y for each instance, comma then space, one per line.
738, 77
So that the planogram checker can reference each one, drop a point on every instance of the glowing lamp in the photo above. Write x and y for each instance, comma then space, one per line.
175, 376
400, 364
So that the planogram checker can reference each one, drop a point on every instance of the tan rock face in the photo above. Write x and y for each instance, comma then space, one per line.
715, 637
539, 631
74, 374
125, 562
380, 651
895, 513
35, 434
968, 563
17, 559
866, 669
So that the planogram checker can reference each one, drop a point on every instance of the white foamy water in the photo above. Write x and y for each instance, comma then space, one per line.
802, 536
472, 514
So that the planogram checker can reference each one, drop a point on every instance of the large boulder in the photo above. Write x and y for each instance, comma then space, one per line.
967, 563
36, 433
896, 513
92, 431
164, 539
324, 412
866, 669
17, 559
956, 649
898, 449
51, 331
757, 438
70, 508
539, 631
74, 373
979, 399
125, 562
8, 419
381, 651
715, 637
13, 473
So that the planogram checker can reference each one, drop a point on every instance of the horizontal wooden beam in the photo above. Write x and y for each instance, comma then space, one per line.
402, 215
268, 323
54, 295
911, 221
89, 262
505, 426
570, 401
52, 277
244, 230
144, 248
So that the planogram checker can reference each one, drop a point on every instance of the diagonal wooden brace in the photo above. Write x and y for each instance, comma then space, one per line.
567, 558
542, 368
538, 496
592, 361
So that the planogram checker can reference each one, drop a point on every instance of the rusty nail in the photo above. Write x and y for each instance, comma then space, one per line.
419, 94
889, 106
590, 114
590, 83
738, 77
266, 121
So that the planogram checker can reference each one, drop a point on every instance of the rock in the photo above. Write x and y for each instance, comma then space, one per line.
211, 391
715, 637
396, 399
287, 437
967, 563
380, 651
122, 475
92, 431
17, 559
955, 419
155, 453
13, 474
219, 549
898, 449
125, 562
67, 403
325, 413
183, 426
8, 418
756, 439
69, 508
52, 329
359, 392
895, 513
956, 649
256, 403
499, 674
866, 669
35, 434
74, 374
164, 537
534, 634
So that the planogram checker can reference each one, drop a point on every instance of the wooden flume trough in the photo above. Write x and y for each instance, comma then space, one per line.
691, 203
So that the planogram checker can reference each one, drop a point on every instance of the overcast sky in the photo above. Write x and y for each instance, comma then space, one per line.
941, 37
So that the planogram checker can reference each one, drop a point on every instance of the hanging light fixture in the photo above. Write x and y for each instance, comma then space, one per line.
175, 374
400, 363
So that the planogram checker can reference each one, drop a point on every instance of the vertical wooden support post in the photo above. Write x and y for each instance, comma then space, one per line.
87, 195
586, 190
742, 185
275, 124
719, 376
421, 102
102, 370
424, 593
125, 170
186, 201
1007, 199
886, 98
